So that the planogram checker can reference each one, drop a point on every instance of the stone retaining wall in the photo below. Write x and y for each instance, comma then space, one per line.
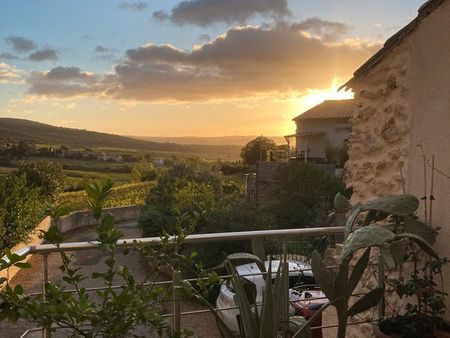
80, 219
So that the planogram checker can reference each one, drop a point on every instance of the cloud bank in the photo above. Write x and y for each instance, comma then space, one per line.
245, 62
9, 74
206, 12
137, 6
44, 54
20, 44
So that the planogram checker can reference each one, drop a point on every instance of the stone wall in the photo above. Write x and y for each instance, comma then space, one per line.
380, 139
80, 219
402, 102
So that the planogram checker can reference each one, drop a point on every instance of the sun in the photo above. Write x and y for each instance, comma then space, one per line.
313, 97
317, 96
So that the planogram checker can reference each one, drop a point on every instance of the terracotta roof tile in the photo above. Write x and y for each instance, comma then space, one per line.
328, 109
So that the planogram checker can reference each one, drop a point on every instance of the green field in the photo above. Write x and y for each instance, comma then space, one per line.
121, 195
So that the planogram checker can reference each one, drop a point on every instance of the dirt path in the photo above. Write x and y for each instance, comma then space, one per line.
90, 261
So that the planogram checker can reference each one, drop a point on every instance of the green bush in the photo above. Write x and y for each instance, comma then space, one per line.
20, 210
303, 192
46, 175
144, 171
183, 188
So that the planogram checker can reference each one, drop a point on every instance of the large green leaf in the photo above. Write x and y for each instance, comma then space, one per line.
364, 237
367, 301
398, 251
388, 258
421, 243
324, 276
358, 271
399, 205
419, 228
342, 204
351, 220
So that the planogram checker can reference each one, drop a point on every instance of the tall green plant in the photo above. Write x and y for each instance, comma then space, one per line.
387, 223
269, 319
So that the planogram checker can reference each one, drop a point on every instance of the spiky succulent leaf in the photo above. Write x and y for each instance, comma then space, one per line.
358, 271
370, 235
248, 320
300, 325
398, 205
367, 301
325, 277
267, 320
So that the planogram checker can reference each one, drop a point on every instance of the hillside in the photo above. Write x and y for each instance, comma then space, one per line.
12, 129
208, 140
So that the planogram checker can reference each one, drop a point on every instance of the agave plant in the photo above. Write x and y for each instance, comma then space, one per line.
269, 319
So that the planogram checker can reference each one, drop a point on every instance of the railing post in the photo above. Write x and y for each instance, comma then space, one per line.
176, 280
45, 331
258, 248
285, 302
381, 284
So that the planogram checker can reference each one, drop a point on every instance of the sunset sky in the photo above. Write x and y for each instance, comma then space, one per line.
178, 68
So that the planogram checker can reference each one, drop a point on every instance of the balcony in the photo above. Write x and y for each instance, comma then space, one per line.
290, 241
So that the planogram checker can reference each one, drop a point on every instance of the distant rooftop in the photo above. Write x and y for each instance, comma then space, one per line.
328, 109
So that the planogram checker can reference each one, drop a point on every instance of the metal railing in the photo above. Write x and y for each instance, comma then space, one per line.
46, 249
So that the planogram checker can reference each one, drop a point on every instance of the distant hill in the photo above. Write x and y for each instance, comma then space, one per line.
219, 140
12, 129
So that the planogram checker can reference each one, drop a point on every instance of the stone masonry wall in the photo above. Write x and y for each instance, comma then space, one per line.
380, 140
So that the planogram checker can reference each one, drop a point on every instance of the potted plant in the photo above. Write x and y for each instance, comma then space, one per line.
422, 315
390, 224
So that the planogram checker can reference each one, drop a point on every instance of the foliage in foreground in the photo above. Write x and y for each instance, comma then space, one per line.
387, 223
110, 312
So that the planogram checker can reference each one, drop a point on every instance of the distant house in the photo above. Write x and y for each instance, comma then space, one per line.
325, 125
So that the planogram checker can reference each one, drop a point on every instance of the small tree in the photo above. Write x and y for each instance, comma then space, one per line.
47, 176
20, 210
257, 149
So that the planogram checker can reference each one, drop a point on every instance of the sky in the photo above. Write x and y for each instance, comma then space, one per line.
185, 67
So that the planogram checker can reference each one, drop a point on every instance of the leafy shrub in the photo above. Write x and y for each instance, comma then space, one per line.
302, 193
46, 175
144, 171
185, 187
20, 210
